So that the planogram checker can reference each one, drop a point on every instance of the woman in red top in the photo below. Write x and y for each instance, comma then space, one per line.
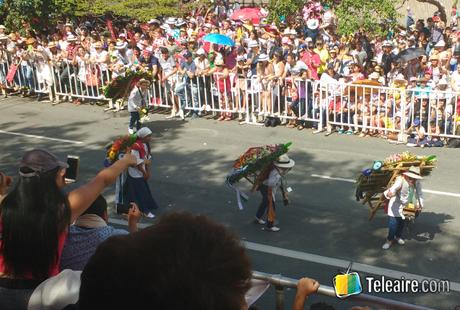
222, 80
34, 218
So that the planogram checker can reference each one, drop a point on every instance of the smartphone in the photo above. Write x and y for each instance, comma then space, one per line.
72, 172
123, 208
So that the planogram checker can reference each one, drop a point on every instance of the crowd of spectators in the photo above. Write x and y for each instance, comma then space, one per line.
57, 252
269, 74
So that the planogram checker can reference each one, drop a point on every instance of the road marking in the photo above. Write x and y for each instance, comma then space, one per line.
324, 260
354, 181
39, 137
343, 264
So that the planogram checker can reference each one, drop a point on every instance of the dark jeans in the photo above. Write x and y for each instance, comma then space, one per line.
263, 207
395, 227
134, 120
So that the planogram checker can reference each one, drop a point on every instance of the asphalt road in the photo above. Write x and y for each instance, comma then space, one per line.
324, 225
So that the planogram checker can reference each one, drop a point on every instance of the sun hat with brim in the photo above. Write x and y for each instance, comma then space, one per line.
71, 38
52, 45
153, 21
2, 27
434, 57
414, 173
400, 78
253, 43
200, 52
443, 82
387, 44
143, 81
39, 161
263, 57
171, 21
121, 45
144, 131
3, 37
284, 162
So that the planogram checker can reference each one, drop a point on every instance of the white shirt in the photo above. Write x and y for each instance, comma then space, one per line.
135, 99
274, 181
400, 196
134, 172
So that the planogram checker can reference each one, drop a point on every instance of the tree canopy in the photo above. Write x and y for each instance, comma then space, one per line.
352, 14
39, 12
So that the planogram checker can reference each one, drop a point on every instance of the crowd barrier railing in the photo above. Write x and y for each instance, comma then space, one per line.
280, 283
351, 107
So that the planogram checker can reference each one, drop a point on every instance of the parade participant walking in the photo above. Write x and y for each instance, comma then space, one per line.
406, 192
136, 188
137, 100
268, 190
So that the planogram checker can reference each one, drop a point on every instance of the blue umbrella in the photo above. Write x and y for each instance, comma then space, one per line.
217, 38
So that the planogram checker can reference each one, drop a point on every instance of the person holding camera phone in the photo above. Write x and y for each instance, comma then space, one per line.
91, 229
34, 221
268, 190
136, 189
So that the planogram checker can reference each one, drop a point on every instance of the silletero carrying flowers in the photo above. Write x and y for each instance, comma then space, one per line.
117, 147
254, 165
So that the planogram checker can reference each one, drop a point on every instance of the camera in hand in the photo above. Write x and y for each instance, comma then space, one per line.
123, 208
71, 173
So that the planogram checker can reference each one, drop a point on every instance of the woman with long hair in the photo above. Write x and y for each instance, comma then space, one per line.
34, 217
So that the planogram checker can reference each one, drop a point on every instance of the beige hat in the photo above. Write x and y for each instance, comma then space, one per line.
374, 76
400, 78
143, 81
2, 27
219, 61
414, 173
284, 162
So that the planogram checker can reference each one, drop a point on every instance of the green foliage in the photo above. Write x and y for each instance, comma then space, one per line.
352, 14
39, 12
364, 15
286, 8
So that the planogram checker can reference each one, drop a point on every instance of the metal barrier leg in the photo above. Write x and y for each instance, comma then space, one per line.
279, 297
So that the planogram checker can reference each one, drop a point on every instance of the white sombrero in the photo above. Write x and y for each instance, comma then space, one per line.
414, 173
284, 162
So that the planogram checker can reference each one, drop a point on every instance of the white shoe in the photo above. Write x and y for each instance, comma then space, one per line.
386, 245
188, 114
173, 114
260, 221
400, 241
273, 228
130, 131
150, 215
318, 131
181, 114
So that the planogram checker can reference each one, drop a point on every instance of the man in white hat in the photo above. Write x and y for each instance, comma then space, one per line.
136, 101
405, 198
387, 57
268, 190
123, 54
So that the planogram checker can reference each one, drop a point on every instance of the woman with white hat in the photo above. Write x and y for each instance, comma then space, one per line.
404, 195
136, 189
268, 188
264, 72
